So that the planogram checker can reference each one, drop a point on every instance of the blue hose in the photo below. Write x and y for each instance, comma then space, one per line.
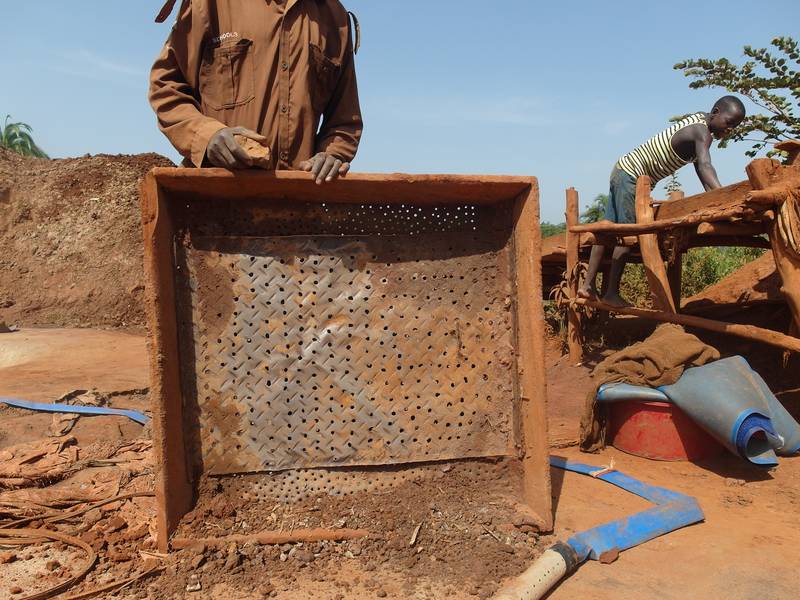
134, 415
672, 511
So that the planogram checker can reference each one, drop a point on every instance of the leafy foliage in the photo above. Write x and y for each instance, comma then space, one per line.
18, 137
549, 229
769, 79
673, 184
596, 210
702, 267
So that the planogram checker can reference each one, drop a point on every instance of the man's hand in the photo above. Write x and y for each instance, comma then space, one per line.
223, 150
324, 167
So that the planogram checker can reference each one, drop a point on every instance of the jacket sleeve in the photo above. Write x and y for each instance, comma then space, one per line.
174, 93
341, 123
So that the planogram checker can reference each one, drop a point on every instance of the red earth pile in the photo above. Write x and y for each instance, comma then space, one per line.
70, 240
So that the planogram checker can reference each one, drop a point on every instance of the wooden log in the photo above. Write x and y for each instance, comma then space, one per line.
574, 337
763, 173
776, 193
675, 268
751, 332
734, 229
719, 200
608, 240
606, 227
651, 254
675, 277
268, 538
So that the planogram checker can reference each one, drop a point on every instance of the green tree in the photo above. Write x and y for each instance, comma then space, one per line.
769, 79
596, 211
673, 184
18, 138
549, 229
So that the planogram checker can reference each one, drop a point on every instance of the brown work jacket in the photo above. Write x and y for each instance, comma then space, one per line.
273, 66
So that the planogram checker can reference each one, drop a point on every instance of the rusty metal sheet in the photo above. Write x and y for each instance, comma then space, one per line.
297, 485
305, 351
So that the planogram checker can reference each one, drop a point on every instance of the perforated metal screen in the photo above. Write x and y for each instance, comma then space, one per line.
388, 340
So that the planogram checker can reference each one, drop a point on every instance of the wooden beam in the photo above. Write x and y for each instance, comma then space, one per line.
574, 337
735, 229
675, 277
751, 332
777, 193
608, 240
531, 389
719, 200
675, 268
651, 254
762, 174
606, 227
174, 493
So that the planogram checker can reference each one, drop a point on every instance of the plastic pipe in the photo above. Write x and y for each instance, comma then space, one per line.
672, 511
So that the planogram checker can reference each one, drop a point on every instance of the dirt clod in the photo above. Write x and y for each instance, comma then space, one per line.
52, 565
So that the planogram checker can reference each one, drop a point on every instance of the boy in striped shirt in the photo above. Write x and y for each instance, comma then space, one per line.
686, 141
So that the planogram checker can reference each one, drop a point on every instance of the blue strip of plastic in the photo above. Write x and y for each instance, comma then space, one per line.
673, 511
134, 415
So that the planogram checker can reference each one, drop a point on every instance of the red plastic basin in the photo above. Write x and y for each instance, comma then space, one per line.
658, 430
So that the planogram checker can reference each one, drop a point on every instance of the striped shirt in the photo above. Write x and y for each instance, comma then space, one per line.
657, 158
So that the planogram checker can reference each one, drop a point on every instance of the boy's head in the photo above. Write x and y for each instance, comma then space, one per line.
727, 114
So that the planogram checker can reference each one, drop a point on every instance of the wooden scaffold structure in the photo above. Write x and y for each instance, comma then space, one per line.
762, 211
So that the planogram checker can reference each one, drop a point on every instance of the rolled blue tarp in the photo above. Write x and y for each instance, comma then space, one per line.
733, 403
620, 392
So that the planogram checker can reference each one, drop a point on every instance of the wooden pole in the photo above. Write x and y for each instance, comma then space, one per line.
675, 268
762, 173
574, 337
750, 332
733, 229
675, 277
691, 219
651, 254
531, 390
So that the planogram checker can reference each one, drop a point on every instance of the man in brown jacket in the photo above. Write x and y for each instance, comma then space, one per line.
264, 69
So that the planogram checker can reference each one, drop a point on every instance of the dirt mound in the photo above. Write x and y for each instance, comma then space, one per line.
757, 281
70, 239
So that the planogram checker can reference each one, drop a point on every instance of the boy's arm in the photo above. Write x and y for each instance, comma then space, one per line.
702, 164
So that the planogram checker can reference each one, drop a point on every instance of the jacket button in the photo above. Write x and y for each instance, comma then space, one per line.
284, 108
284, 156
284, 65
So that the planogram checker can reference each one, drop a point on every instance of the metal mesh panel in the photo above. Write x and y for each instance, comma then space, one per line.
318, 351
297, 485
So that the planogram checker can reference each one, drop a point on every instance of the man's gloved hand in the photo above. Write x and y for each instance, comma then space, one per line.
223, 150
324, 167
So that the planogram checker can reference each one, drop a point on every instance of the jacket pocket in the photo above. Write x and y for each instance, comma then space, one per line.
227, 76
324, 74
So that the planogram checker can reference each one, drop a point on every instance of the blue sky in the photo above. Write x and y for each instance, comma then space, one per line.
556, 90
